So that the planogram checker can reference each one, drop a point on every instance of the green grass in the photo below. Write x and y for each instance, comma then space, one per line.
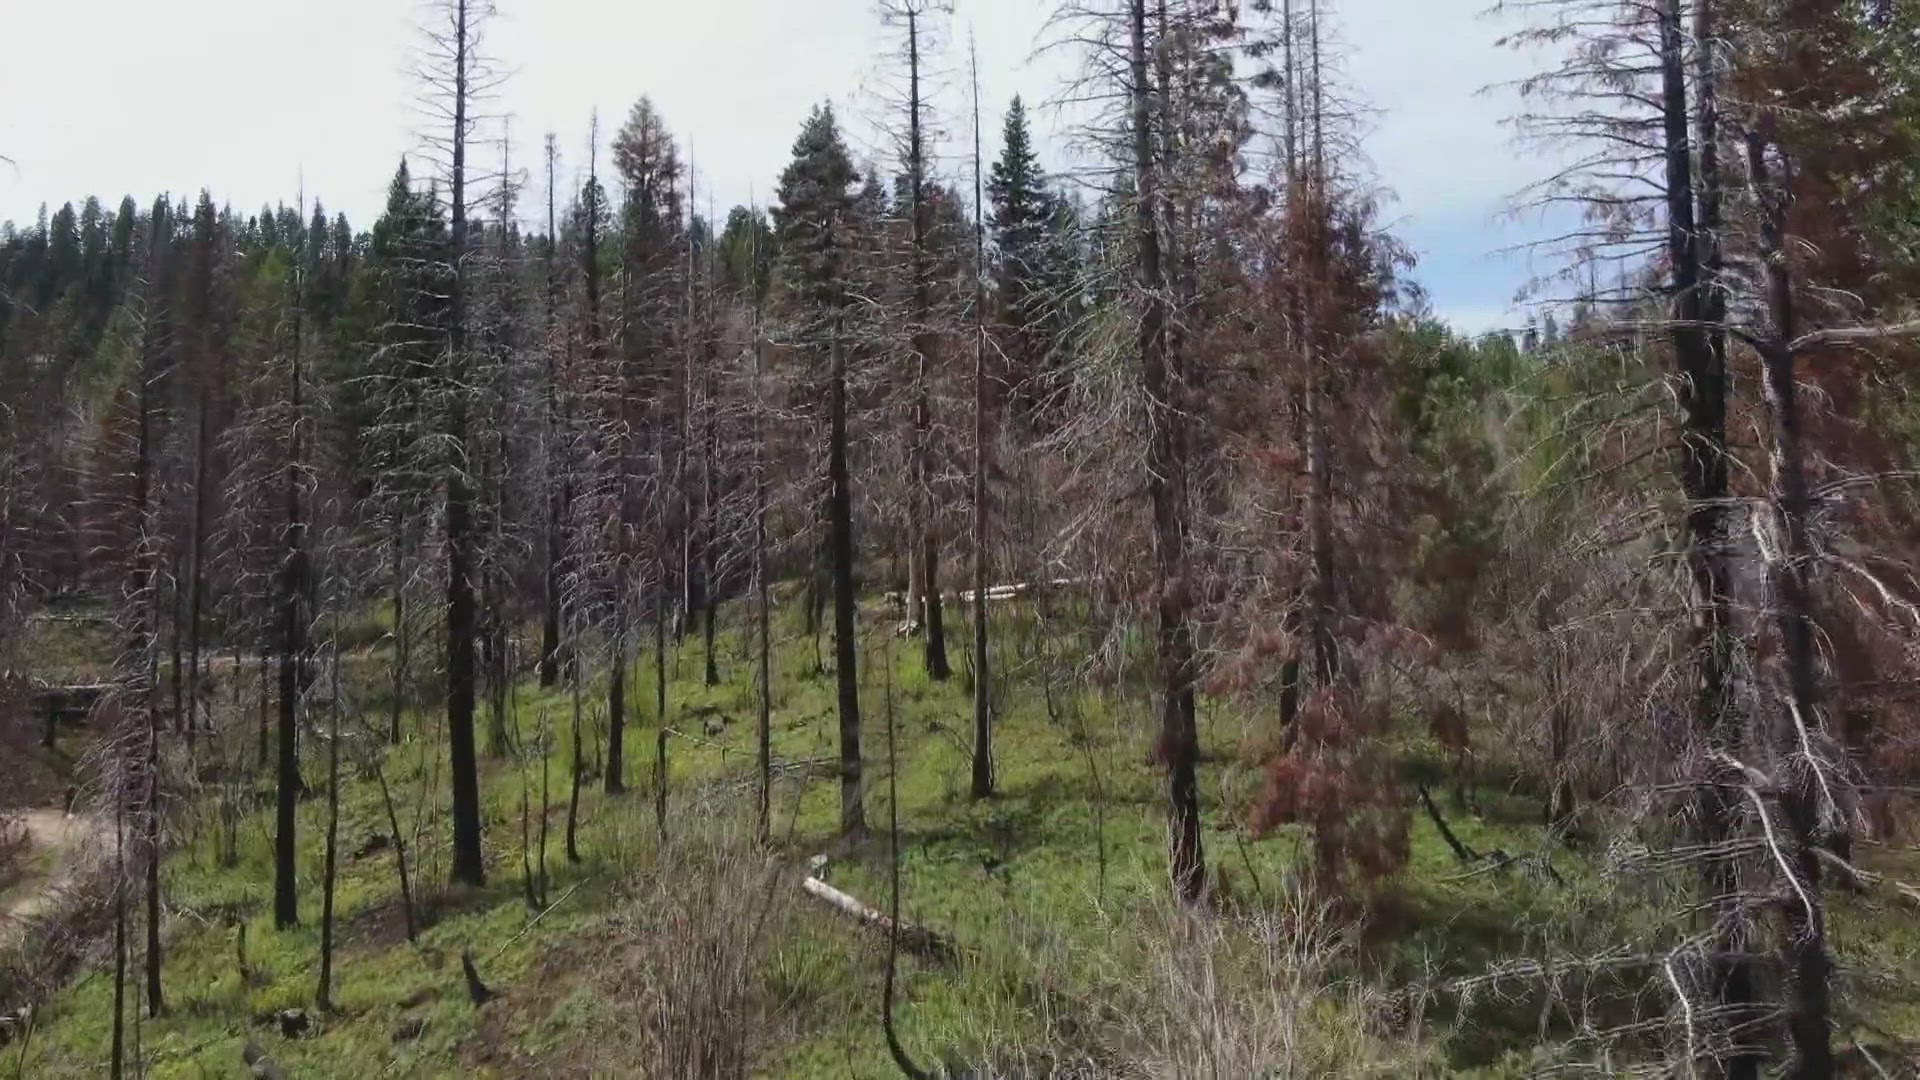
1052, 888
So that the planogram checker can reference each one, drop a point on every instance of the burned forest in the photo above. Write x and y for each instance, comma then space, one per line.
1033, 570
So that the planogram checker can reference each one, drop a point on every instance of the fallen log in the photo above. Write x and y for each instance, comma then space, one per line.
259, 1064
1017, 590
1460, 850
918, 940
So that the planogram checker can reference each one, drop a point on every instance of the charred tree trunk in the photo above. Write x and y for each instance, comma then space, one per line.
709, 589
660, 701
264, 738
144, 593
469, 866
1700, 360
982, 666
616, 782
156, 1000
118, 1063
554, 542
853, 816
324, 995
402, 640
196, 564
293, 644
399, 851
579, 754
923, 530
1179, 741
761, 615
1809, 968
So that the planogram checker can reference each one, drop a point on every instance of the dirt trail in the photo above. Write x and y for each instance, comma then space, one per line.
56, 841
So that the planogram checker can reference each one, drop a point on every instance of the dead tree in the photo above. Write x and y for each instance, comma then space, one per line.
1166, 478
295, 570
922, 533
455, 78
982, 777
323, 995
762, 616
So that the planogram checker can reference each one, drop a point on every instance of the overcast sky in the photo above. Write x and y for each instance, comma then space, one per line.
247, 97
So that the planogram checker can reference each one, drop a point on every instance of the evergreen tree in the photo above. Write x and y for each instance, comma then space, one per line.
815, 224
1031, 265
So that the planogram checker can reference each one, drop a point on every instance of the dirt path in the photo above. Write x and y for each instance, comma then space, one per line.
56, 840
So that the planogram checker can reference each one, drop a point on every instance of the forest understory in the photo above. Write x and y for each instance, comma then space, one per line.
699, 954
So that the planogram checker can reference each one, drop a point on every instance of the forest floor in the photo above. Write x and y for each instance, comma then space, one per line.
661, 948
55, 844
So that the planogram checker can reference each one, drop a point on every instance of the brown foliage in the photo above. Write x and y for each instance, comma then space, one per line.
1327, 780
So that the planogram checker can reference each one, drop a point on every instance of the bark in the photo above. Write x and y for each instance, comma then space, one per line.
709, 592
264, 741
762, 622
119, 939
399, 851
616, 782
573, 799
468, 864
1560, 801
293, 646
1179, 749
1809, 968
982, 665
177, 679
1315, 259
546, 742
907, 1065
527, 885
324, 995
148, 633
142, 589
402, 641
196, 565
853, 817
156, 1000
554, 542
1324, 648
923, 530
660, 703
1700, 360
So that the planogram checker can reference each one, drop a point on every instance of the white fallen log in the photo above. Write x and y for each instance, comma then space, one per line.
1016, 590
915, 939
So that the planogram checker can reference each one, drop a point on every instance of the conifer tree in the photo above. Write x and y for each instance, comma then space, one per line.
815, 224
1023, 213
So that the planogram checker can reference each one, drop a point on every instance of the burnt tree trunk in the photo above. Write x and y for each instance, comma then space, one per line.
1179, 740
853, 816
324, 994
616, 782
469, 866
982, 778
761, 616
1790, 561
1700, 362
293, 643
558, 473
923, 531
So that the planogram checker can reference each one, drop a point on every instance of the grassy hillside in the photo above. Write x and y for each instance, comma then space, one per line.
696, 951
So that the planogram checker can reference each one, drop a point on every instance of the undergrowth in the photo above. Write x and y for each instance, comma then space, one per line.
695, 953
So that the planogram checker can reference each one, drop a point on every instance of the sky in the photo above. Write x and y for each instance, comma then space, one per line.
253, 99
